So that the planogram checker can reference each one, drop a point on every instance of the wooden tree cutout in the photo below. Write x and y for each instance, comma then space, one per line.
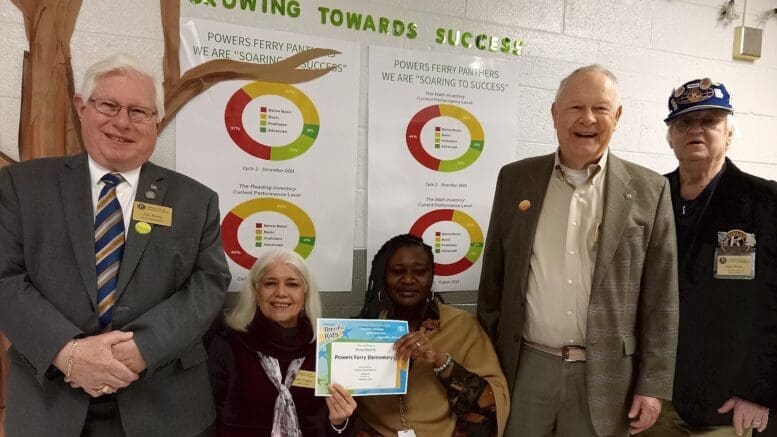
47, 122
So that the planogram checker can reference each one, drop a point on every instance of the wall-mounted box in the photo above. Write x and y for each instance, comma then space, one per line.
747, 43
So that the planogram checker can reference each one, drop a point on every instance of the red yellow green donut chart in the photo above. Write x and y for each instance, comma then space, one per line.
233, 219
465, 221
233, 118
425, 115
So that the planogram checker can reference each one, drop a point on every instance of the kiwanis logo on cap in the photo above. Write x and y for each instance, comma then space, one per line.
697, 95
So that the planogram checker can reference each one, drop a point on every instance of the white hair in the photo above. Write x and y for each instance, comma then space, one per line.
122, 63
595, 68
244, 312
731, 124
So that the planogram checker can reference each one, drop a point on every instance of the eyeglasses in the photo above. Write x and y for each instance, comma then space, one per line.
684, 124
112, 108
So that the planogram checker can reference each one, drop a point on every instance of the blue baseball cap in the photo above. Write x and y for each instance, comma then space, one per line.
696, 95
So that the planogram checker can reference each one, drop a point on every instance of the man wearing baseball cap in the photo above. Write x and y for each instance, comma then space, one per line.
726, 224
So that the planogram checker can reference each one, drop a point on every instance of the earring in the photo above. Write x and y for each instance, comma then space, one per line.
380, 292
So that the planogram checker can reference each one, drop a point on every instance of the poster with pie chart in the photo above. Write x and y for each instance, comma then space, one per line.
440, 128
457, 240
281, 157
263, 223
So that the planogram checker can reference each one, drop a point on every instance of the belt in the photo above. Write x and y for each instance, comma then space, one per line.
569, 354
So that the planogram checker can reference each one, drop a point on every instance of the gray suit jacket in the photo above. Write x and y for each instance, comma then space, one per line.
633, 309
171, 286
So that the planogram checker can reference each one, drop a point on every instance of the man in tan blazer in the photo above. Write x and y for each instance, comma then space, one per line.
579, 283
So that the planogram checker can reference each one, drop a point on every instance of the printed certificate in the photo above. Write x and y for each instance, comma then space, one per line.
359, 355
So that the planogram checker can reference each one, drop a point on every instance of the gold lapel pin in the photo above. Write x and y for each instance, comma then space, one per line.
524, 205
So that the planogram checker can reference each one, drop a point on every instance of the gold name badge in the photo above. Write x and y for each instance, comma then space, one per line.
735, 266
150, 213
305, 379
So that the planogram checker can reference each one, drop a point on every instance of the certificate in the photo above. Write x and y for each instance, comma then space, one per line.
359, 355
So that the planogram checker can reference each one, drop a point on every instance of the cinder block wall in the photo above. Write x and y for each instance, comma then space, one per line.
651, 45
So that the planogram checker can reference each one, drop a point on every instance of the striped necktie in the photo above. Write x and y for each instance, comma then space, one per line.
108, 245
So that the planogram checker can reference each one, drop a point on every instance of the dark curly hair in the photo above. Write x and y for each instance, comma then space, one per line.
377, 280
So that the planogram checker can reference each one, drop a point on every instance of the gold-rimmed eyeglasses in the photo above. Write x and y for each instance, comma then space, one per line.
111, 108
707, 122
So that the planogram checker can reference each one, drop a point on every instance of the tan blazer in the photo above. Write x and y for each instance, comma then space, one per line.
633, 310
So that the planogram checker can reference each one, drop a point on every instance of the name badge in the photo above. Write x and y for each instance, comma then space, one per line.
305, 379
735, 255
150, 213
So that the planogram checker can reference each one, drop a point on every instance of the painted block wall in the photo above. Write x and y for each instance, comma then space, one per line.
651, 45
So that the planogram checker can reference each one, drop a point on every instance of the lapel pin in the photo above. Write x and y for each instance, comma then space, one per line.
524, 205
627, 196
142, 228
153, 187
150, 195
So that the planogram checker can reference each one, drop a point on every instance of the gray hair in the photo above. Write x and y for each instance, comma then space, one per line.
122, 63
731, 124
244, 312
593, 68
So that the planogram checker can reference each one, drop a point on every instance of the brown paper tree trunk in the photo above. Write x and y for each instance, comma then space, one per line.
47, 120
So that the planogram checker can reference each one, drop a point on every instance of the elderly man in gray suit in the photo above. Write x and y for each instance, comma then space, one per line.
111, 270
579, 282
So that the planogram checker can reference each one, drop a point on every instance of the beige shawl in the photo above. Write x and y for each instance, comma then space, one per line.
427, 410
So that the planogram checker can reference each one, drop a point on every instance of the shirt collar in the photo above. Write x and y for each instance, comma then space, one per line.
96, 172
595, 170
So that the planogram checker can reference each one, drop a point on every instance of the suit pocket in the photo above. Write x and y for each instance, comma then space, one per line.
629, 345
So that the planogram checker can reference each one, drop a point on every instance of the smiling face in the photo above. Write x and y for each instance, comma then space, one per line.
118, 143
280, 294
585, 114
409, 276
694, 143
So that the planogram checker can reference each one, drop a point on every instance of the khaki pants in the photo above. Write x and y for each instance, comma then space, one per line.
549, 398
669, 424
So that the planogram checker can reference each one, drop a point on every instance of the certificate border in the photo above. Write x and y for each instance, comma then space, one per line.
324, 352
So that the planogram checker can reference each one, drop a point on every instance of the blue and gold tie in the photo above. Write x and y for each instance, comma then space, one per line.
108, 246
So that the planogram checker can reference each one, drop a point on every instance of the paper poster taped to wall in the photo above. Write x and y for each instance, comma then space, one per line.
440, 127
282, 157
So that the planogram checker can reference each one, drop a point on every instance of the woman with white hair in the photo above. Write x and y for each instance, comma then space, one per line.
262, 364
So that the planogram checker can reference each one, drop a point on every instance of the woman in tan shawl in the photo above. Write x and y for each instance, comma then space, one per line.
455, 386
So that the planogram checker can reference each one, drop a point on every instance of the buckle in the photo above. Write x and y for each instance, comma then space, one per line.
573, 354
